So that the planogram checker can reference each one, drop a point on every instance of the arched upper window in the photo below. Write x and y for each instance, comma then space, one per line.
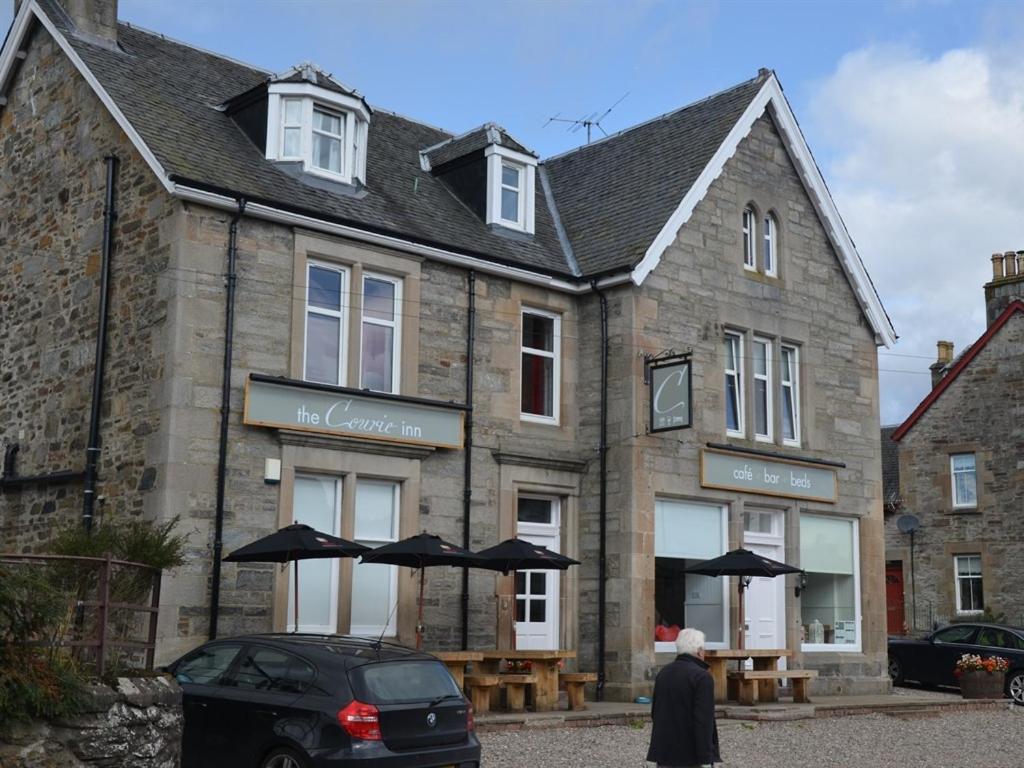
769, 254
749, 238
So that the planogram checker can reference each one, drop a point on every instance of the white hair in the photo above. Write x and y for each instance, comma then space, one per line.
690, 641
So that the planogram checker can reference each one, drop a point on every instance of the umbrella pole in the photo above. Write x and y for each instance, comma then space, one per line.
295, 626
419, 622
742, 620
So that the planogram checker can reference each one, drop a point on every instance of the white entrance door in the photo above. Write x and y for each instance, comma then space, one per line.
765, 601
537, 592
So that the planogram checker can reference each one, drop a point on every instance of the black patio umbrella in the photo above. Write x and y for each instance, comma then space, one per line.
746, 565
519, 555
291, 544
421, 551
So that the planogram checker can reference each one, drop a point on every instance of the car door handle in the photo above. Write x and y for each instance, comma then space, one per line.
266, 712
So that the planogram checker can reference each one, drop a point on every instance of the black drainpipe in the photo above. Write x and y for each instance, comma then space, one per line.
225, 413
603, 511
467, 489
92, 452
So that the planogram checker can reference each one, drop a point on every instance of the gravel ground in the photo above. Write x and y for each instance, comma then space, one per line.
965, 740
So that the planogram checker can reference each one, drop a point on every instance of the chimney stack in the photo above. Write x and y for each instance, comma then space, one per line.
942, 361
94, 20
1007, 283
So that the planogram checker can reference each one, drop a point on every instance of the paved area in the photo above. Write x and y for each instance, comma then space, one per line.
993, 739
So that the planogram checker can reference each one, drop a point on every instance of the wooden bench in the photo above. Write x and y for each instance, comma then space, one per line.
479, 687
515, 690
574, 682
765, 680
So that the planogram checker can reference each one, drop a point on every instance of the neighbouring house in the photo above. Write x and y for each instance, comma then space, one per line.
640, 353
960, 478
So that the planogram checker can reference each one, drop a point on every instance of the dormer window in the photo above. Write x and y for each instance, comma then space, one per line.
510, 188
314, 120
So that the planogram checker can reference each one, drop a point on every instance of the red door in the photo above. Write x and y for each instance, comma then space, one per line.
894, 597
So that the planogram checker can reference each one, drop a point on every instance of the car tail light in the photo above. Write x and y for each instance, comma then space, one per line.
470, 721
360, 721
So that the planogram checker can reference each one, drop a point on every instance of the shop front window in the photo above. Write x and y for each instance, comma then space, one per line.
374, 585
830, 598
684, 534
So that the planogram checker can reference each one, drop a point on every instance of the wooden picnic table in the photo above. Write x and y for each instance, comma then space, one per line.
456, 662
543, 664
765, 659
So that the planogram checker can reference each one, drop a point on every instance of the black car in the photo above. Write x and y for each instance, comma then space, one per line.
932, 660
321, 701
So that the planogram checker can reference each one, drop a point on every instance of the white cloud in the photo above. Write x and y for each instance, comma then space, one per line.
927, 167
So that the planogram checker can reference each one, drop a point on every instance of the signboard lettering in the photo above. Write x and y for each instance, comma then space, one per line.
773, 477
273, 404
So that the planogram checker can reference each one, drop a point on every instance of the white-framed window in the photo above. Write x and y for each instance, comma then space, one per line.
830, 614
963, 471
380, 334
734, 384
324, 129
762, 376
328, 135
769, 252
969, 595
749, 238
789, 379
685, 533
325, 332
511, 193
511, 179
316, 503
541, 365
375, 585
291, 129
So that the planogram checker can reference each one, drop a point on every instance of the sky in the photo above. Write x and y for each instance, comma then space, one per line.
914, 109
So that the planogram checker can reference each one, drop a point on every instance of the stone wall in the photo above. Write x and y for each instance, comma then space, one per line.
978, 413
138, 724
54, 136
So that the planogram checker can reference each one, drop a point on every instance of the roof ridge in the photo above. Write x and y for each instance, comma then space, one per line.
208, 52
655, 119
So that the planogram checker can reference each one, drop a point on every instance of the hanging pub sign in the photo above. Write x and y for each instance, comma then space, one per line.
306, 407
670, 386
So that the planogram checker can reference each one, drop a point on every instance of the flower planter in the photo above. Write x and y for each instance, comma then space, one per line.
977, 684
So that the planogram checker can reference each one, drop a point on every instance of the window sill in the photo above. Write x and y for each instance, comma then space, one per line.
535, 419
966, 511
830, 648
766, 439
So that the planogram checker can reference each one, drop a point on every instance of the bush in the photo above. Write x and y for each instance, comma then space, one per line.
37, 679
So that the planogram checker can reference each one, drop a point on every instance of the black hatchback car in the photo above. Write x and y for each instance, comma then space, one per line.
321, 701
932, 660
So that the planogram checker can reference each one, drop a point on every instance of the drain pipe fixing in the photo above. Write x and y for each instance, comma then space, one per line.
92, 452
603, 499
231, 279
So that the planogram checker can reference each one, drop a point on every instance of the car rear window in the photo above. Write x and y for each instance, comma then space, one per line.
405, 681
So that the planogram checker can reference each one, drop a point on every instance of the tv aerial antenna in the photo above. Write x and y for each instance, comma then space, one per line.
589, 122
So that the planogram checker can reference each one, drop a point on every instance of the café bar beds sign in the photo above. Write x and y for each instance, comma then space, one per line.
299, 405
736, 471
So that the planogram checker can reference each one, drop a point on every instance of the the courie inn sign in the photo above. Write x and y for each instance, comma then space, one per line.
736, 471
286, 404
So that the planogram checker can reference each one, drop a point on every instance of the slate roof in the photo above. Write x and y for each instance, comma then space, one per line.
613, 196
470, 142
890, 465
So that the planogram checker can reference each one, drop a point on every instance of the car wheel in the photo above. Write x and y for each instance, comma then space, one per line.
1015, 686
283, 758
895, 669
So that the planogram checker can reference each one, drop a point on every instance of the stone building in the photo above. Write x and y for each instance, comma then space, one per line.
960, 475
438, 332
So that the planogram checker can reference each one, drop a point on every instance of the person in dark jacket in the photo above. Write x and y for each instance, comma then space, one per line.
683, 708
